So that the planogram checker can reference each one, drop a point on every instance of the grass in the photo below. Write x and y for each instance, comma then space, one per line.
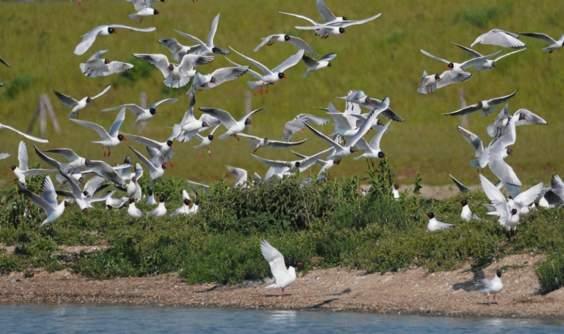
381, 58
320, 225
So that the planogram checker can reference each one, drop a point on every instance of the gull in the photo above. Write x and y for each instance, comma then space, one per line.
89, 38
77, 105
160, 210
176, 75
284, 38
466, 214
133, 187
142, 114
4, 62
345, 124
133, 211
339, 150
217, 77
107, 138
461, 186
103, 169
316, 65
508, 215
308, 161
143, 8
372, 149
491, 286
283, 276
22, 170
270, 76
208, 47
395, 192
115, 203
277, 168
151, 198
160, 152
155, 171
524, 117
498, 37
177, 50
98, 66
371, 103
298, 123
258, 142
459, 67
554, 196
240, 174
206, 140
75, 163
25, 135
189, 126
232, 126
429, 83
435, 225
487, 64
553, 45
324, 30
187, 205
326, 14
46, 201
494, 154
4, 156
484, 105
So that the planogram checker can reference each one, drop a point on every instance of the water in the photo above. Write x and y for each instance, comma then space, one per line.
16, 319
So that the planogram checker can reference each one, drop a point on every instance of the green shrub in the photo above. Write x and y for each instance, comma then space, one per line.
551, 273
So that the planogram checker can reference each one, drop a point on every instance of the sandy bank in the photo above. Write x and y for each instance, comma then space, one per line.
413, 291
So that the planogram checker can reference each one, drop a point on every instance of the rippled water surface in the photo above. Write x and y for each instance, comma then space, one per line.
127, 319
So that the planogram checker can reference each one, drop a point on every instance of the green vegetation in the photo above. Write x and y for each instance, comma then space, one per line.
381, 58
318, 225
551, 273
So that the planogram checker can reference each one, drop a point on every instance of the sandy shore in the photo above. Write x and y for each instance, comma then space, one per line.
410, 292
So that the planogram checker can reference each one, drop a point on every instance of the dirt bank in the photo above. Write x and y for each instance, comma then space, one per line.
413, 291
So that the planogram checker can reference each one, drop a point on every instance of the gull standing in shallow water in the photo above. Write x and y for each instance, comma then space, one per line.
283, 276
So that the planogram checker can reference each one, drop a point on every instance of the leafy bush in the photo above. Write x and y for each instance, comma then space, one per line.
551, 273
21, 83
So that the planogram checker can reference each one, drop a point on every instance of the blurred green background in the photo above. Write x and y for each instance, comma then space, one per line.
382, 58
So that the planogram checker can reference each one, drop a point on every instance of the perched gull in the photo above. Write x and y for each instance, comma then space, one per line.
77, 105
435, 225
133, 211
395, 192
160, 210
187, 206
498, 37
491, 286
240, 174
466, 214
283, 276
89, 38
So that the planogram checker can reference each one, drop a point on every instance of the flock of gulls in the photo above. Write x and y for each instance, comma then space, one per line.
359, 128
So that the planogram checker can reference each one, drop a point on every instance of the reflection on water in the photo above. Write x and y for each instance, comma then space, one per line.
17, 319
